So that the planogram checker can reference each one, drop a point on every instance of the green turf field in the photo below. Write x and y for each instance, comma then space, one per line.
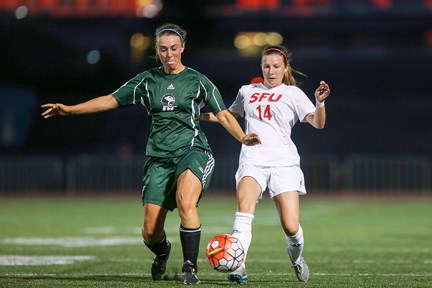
96, 242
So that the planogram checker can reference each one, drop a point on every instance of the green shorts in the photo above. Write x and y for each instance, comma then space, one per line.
160, 176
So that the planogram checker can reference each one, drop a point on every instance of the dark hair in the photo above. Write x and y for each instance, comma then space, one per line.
288, 78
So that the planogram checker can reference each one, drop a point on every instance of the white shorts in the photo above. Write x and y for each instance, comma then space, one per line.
277, 179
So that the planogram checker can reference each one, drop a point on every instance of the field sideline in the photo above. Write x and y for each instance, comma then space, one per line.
96, 242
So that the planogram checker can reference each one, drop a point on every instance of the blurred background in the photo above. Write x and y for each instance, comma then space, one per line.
375, 54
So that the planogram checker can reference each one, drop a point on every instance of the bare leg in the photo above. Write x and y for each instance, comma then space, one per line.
154, 220
188, 192
248, 192
287, 205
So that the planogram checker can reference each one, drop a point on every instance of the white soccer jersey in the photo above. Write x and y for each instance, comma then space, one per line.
271, 113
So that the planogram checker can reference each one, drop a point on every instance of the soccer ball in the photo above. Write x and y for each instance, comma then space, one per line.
225, 253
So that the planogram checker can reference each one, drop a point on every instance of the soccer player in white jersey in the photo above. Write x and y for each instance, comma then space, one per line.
271, 109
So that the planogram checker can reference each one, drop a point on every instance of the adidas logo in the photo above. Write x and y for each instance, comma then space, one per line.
171, 86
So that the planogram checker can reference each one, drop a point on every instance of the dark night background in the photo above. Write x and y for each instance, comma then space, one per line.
378, 63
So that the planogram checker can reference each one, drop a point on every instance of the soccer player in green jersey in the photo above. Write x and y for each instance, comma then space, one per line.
180, 162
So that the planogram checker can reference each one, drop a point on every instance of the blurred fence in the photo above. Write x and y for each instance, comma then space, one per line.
380, 174
103, 173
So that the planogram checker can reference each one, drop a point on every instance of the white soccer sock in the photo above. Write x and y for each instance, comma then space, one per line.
242, 229
295, 245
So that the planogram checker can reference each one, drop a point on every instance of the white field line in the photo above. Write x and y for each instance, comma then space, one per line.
88, 241
73, 241
14, 260
109, 241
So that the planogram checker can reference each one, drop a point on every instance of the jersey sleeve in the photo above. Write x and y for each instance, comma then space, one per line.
131, 92
238, 105
213, 98
304, 105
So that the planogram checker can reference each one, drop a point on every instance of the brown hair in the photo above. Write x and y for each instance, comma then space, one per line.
288, 78
170, 29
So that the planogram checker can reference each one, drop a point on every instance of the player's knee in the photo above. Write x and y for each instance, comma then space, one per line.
185, 202
186, 208
291, 229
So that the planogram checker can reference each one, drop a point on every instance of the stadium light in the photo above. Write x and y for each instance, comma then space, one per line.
93, 57
21, 12
148, 8
251, 43
139, 43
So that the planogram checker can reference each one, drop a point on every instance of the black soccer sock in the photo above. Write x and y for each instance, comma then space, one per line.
190, 239
159, 248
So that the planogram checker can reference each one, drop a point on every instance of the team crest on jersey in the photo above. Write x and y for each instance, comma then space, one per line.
168, 101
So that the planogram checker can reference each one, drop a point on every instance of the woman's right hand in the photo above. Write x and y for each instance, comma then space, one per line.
54, 110
251, 139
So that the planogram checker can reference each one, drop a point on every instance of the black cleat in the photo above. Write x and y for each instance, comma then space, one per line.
159, 263
189, 274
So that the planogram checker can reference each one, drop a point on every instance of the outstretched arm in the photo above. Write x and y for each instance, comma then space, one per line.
318, 118
99, 104
227, 120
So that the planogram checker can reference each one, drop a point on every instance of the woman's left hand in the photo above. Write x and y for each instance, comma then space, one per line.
322, 92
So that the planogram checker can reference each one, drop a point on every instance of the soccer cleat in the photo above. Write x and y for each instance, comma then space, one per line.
189, 274
239, 279
239, 276
159, 263
301, 270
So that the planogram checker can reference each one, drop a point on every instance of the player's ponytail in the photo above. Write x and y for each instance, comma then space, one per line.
289, 79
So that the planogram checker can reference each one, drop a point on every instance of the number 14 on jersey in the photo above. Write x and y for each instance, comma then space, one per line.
264, 112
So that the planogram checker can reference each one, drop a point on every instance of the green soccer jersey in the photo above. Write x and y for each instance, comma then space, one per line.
173, 103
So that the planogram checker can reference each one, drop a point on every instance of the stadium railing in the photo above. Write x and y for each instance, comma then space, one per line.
359, 173
44, 174
395, 173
